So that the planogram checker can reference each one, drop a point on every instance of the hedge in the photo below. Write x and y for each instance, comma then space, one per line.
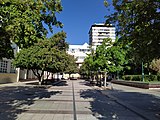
139, 77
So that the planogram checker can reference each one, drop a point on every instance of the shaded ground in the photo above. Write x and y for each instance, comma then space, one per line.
106, 108
14, 99
147, 101
30, 102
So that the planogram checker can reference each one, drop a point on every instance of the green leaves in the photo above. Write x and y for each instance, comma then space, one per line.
46, 55
155, 65
23, 20
41, 58
109, 56
106, 4
71, 65
59, 41
138, 24
6, 50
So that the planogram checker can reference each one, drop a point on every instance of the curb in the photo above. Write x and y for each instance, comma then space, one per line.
25, 84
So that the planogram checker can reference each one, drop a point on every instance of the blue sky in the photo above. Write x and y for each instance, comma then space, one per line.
78, 16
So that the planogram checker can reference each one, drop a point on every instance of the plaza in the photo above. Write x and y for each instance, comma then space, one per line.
77, 100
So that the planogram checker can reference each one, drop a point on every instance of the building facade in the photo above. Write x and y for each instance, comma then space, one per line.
8, 73
98, 32
79, 52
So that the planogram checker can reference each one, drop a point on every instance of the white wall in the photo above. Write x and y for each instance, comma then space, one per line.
79, 51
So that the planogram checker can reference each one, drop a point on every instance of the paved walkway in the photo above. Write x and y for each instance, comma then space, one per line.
71, 100
145, 102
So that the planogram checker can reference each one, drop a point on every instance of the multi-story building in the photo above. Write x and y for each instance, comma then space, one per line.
79, 52
98, 32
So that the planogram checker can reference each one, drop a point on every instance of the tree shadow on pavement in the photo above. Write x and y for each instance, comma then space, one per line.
15, 99
146, 102
61, 83
105, 107
102, 107
86, 83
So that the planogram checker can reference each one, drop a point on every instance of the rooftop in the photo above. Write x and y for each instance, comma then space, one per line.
84, 46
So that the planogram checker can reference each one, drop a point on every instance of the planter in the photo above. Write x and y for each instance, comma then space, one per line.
138, 84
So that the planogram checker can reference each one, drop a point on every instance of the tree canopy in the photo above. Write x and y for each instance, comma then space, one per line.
109, 57
71, 67
6, 50
45, 56
155, 65
138, 25
25, 22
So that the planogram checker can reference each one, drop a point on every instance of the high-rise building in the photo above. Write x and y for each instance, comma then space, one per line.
98, 32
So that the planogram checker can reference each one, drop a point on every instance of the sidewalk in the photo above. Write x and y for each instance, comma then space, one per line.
70, 100
20, 83
143, 102
33, 83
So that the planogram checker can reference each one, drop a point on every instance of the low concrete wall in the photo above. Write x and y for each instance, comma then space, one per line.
137, 84
8, 77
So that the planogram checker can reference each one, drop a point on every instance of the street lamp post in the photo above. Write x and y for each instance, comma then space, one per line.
142, 72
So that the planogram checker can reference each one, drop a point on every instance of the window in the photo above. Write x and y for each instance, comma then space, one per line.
81, 57
106, 29
12, 70
3, 66
100, 42
73, 50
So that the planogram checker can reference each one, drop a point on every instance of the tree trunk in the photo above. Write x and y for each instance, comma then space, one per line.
69, 76
52, 76
39, 80
48, 74
40, 77
100, 80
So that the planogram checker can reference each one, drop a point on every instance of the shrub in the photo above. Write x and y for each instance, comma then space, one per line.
127, 77
131, 77
123, 77
137, 78
153, 78
158, 77
147, 78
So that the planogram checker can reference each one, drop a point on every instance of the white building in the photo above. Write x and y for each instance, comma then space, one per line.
79, 51
10, 74
100, 31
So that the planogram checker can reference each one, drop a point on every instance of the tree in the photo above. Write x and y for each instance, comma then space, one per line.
138, 25
71, 66
155, 65
58, 40
89, 64
25, 22
39, 59
111, 56
116, 55
43, 56
6, 50
101, 60
83, 71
